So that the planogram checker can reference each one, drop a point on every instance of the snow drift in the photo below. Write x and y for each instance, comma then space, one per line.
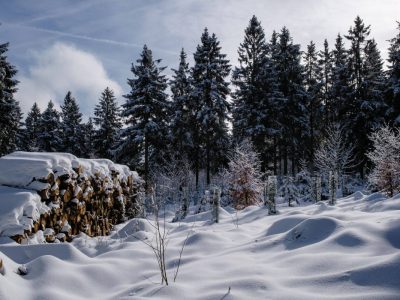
347, 251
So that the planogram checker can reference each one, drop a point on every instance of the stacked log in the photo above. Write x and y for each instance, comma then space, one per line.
81, 201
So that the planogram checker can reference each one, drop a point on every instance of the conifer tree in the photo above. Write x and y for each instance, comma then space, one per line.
246, 77
71, 126
210, 90
341, 89
325, 63
50, 133
107, 119
183, 111
393, 85
358, 37
366, 103
257, 94
32, 128
146, 110
88, 149
314, 86
293, 117
10, 110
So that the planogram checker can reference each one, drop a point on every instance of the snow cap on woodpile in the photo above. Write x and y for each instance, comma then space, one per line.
26, 169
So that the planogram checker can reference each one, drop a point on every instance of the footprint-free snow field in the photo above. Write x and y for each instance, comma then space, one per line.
347, 251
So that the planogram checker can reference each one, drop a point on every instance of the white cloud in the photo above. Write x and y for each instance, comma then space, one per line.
61, 68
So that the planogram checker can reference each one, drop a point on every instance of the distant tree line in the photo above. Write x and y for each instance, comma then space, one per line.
280, 98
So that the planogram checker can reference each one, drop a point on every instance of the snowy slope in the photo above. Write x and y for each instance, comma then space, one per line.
350, 251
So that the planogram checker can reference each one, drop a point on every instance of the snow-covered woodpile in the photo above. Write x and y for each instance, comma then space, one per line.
53, 196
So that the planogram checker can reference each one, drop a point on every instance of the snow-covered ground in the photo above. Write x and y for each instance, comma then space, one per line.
350, 251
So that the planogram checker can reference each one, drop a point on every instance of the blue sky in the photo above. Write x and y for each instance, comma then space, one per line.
84, 46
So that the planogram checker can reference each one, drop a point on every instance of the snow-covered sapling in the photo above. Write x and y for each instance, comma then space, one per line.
216, 195
183, 210
334, 153
244, 176
385, 157
203, 202
333, 178
318, 188
272, 185
289, 190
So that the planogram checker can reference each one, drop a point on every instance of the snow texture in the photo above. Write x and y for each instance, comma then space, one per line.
347, 251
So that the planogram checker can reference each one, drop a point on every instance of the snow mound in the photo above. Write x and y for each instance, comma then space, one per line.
310, 231
318, 251
18, 209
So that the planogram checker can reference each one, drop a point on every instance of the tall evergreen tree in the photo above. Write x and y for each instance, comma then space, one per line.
50, 133
358, 37
314, 85
341, 85
108, 120
325, 63
366, 101
183, 110
393, 85
293, 117
89, 134
146, 109
210, 91
247, 80
32, 129
257, 94
72, 126
10, 110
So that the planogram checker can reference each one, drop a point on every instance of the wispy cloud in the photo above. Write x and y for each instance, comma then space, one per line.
84, 37
61, 68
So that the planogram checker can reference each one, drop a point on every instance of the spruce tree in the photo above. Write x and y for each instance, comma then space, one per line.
210, 90
325, 63
32, 129
293, 117
373, 107
89, 133
248, 82
108, 120
393, 84
366, 102
10, 110
71, 126
314, 85
146, 110
340, 107
183, 111
50, 133
358, 37
257, 94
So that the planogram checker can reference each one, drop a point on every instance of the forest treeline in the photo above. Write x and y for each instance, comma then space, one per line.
278, 96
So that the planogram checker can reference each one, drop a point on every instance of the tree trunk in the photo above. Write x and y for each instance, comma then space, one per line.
208, 163
274, 155
146, 164
285, 161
